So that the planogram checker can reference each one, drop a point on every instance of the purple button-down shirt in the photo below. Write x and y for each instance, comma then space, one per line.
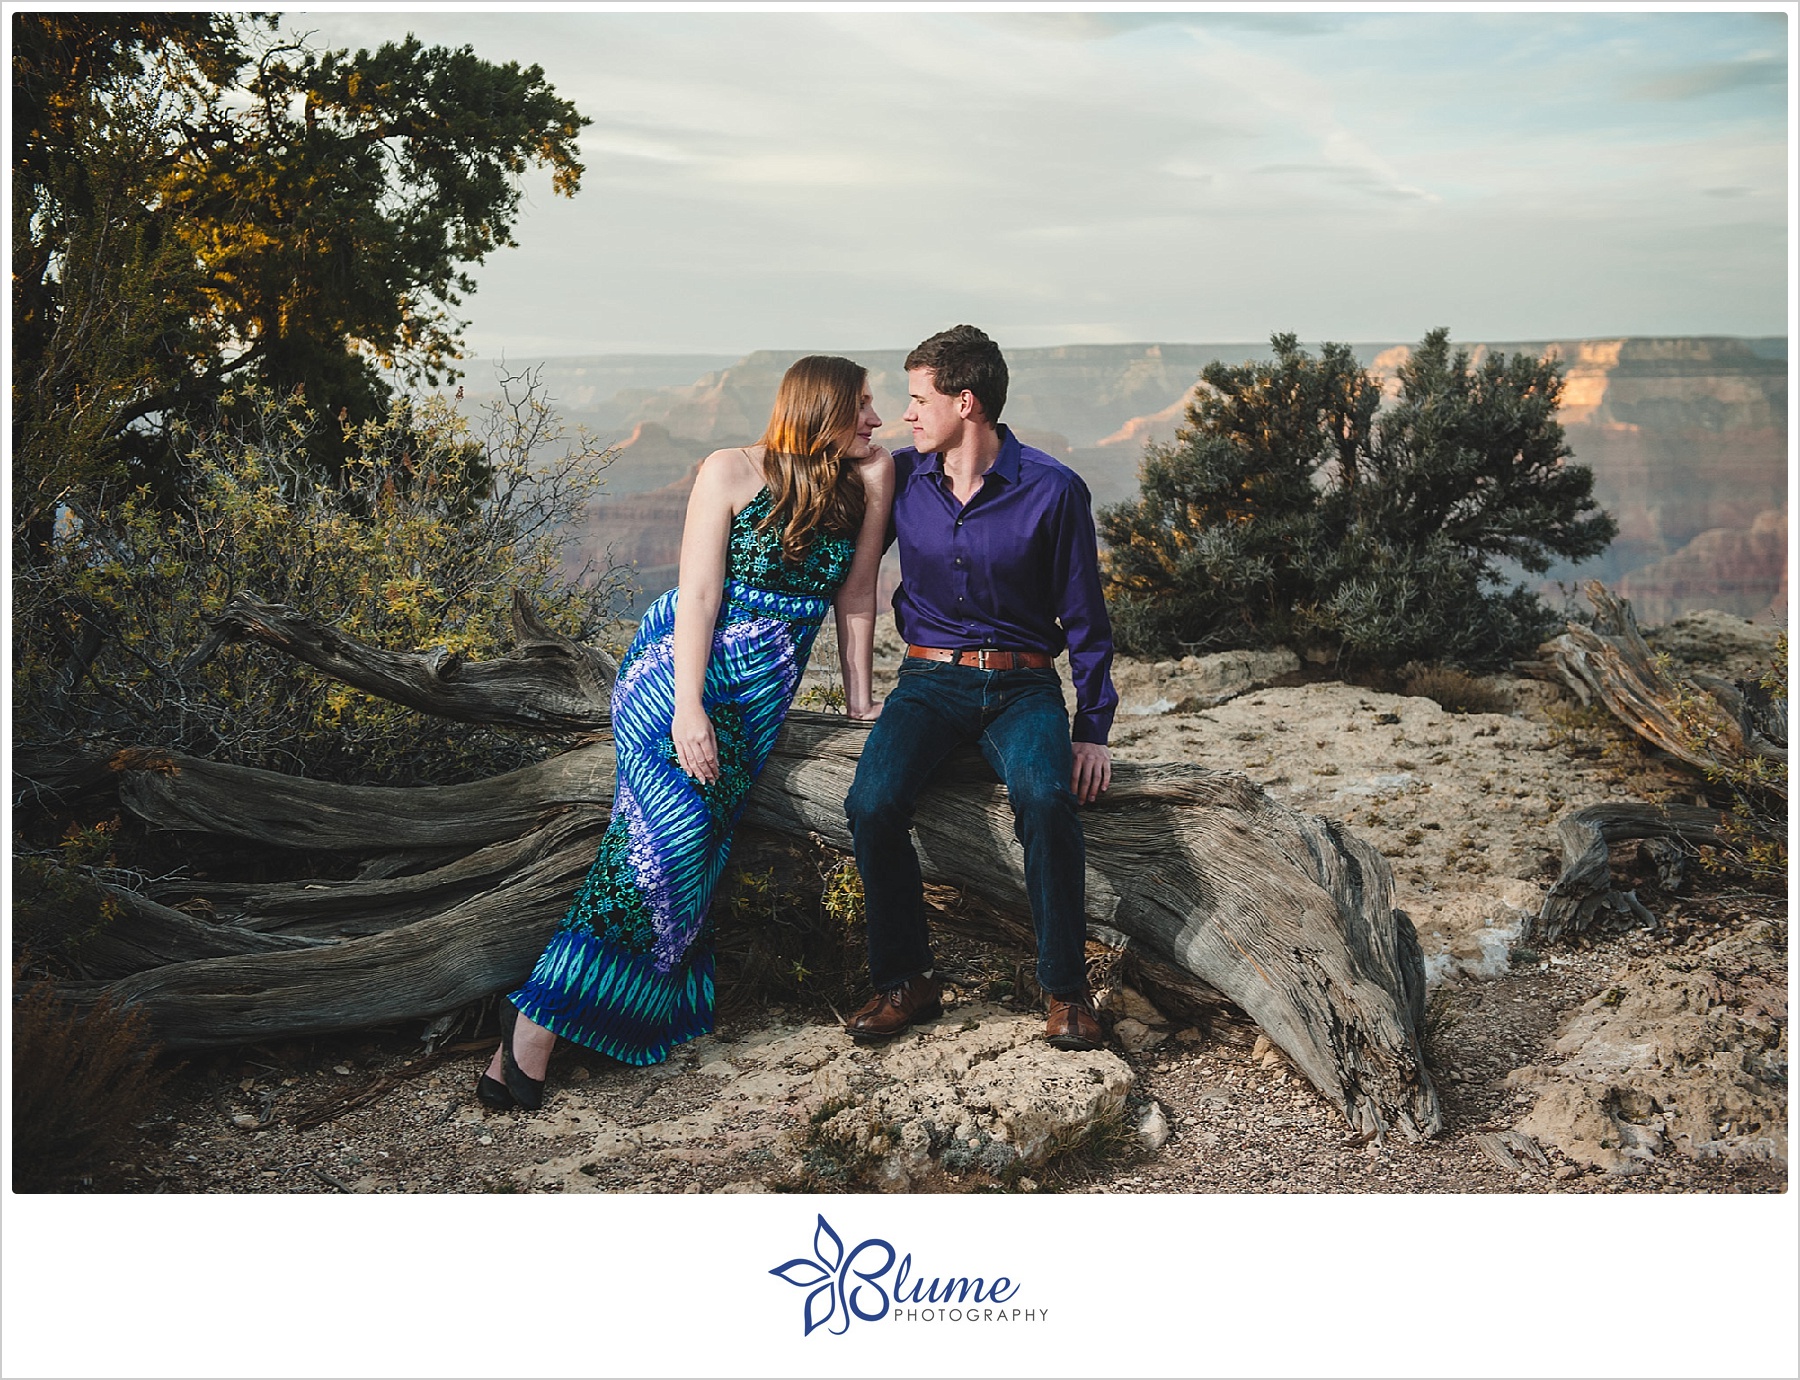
1016, 568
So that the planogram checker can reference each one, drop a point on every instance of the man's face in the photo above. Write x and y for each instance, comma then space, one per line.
937, 419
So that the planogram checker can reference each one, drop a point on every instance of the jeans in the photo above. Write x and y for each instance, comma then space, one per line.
1019, 720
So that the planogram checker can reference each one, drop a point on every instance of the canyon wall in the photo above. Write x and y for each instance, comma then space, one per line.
1687, 438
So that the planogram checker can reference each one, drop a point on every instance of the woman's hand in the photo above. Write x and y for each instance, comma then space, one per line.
696, 746
871, 710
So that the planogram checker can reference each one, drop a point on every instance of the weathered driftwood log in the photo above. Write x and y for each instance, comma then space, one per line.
1284, 914
1585, 887
369, 905
146, 935
1704, 722
549, 682
464, 952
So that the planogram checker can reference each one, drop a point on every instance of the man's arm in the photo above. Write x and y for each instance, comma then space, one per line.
1081, 609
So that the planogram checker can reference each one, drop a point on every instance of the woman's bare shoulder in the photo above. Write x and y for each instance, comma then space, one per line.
734, 473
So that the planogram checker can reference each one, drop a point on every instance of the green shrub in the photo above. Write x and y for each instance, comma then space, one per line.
1295, 509
419, 543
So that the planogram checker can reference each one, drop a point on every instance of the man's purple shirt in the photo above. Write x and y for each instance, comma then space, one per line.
1016, 568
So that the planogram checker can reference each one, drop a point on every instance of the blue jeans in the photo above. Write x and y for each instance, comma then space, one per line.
1018, 719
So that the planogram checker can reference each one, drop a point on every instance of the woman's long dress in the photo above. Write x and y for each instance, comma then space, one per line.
630, 970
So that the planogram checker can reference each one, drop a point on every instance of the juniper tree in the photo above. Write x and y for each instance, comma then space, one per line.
1294, 508
198, 204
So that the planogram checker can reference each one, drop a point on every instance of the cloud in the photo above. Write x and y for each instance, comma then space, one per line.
1352, 178
1711, 79
842, 177
1092, 27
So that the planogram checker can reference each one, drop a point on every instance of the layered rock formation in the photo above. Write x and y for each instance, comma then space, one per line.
1737, 569
1686, 438
642, 530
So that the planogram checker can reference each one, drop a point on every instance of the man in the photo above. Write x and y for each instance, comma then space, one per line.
999, 571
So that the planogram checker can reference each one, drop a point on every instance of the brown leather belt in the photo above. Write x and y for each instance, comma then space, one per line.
984, 658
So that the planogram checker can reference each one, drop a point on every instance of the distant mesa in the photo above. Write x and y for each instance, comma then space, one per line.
651, 458
1687, 437
1158, 426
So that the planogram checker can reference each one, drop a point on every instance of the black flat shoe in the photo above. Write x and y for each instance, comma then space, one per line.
527, 1092
491, 1092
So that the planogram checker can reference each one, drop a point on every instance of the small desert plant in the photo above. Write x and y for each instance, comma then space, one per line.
56, 905
81, 1082
790, 928
420, 541
1106, 1142
1755, 784
1456, 691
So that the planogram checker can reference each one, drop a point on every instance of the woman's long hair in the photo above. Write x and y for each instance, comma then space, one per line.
813, 485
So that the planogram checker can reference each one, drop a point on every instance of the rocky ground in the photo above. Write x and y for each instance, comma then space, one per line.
1636, 1061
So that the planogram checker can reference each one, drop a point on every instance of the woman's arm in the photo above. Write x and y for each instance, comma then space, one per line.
718, 494
855, 602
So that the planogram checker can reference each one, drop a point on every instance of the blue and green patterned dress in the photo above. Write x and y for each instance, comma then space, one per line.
630, 970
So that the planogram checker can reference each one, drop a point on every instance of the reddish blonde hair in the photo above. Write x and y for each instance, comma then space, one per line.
813, 485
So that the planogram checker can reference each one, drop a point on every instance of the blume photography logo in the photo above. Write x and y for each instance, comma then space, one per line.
855, 1284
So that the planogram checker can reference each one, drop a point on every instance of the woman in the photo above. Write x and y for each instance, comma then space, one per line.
774, 531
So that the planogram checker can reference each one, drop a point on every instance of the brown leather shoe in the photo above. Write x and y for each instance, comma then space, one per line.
890, 1012
1072, 1023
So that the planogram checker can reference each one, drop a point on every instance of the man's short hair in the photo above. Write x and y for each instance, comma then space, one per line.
964, 358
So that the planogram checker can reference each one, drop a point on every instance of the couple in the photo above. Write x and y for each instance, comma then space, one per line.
999, 571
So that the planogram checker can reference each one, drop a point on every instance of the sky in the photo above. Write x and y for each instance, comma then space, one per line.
859, 178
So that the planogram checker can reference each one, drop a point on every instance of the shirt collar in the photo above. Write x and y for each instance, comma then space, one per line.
1006, 464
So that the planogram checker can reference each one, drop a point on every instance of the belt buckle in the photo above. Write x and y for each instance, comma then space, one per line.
981, 657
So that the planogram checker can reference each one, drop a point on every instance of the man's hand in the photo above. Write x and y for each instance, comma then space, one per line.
1093, 772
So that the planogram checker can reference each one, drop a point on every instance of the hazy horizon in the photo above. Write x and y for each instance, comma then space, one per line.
866, 348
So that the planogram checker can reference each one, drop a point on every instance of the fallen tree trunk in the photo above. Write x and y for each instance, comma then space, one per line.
1281, 913
1585, 887
1706, 723
481, 945
548, 683
1285, 915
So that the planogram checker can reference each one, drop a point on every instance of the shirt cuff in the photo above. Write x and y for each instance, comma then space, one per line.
1092, 727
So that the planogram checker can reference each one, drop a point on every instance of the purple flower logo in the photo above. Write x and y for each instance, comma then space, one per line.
828, 1276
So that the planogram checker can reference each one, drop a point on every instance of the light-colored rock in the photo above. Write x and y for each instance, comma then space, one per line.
1196, 682
1720, 644
1041, 1096
1122, 1000
1153, 1128
988, 1097
1472, 933
1136, 1037
1681, 1055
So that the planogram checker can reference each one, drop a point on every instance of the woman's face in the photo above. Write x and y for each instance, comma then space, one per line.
859, 446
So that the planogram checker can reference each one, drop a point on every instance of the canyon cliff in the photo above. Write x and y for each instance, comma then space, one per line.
1687, 438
